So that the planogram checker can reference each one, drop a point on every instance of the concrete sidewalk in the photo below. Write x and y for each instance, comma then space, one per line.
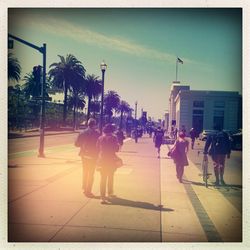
46, 203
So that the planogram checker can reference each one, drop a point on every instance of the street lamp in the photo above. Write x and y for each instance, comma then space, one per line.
103, 67
135, 109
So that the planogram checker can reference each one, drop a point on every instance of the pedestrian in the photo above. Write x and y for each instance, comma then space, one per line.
183, 129
86, 140
175, 133
120, 137
180, 146
218, 147
192, 133
158, 139
107, 145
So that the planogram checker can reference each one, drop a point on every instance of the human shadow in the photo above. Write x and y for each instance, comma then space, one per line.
226, 186
196, 183
138, 204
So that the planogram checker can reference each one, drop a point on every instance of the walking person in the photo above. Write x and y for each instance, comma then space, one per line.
218, 147
107, 146
192, 134
120, 137
181, 146
158, 139
86, 140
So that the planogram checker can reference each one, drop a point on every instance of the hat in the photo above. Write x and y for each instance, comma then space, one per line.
108, 128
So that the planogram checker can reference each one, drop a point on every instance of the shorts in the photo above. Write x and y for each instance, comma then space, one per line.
219, 159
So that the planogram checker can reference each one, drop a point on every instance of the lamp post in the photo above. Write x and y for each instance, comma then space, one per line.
135, 109
103, 67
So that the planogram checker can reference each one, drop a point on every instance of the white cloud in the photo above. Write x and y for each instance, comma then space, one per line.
82, 34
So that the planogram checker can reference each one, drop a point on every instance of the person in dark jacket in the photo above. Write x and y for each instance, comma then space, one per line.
192, 133
107, 146
86, 140
158, 139
218, 146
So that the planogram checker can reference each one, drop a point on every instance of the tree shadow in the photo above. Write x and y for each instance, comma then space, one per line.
138, 204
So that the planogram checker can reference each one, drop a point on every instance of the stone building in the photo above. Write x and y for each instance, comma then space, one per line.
202, 109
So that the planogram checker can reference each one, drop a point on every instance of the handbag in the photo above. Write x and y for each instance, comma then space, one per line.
173, 152
118, 162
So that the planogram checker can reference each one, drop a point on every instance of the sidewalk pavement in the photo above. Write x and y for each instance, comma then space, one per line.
46, 203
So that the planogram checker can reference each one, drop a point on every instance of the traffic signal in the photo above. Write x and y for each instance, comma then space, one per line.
37, 73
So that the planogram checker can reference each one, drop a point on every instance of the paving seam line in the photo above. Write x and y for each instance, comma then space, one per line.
205, 221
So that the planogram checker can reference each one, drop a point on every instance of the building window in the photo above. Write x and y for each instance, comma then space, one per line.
197, 112
198, 104
219, 104
219, 113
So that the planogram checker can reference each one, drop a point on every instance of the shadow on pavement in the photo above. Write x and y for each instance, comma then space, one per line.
139, 204
226, 186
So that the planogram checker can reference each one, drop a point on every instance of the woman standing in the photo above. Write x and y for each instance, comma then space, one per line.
181, 147
107, 145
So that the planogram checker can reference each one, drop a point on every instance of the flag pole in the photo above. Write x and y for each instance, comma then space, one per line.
176, 67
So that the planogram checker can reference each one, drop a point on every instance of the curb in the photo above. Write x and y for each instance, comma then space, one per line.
36, 135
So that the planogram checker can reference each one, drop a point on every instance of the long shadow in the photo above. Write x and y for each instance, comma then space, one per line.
226, 186
139, 204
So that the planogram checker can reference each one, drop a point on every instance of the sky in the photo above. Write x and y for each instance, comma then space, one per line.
140, 47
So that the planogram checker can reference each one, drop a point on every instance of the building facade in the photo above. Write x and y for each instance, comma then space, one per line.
203, 109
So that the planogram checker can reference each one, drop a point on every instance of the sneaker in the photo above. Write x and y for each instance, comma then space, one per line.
89, 194
217, 183
112, 196
104, 202
222, 182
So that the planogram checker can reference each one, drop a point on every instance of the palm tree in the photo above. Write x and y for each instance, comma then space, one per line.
93, 89
63, 75
76, 99
124, 107
111, 103
14, 68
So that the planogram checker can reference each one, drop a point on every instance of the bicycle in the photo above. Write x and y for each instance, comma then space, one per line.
205, 173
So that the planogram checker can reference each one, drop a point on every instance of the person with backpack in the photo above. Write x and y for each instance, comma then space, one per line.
218, 146
107, 145
158, 139
86, 140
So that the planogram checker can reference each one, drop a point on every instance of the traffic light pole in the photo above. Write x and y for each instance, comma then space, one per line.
42, 120
43, 89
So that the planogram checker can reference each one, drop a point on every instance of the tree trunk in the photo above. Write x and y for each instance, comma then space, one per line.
65, 106
74, 117
121, 120
89, 102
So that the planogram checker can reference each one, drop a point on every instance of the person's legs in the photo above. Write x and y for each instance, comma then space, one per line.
178, 171
111, 183
103, 183
181, 171
221, 168
90, 176
84, 174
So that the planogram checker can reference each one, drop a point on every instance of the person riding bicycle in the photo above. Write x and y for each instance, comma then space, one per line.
218, 146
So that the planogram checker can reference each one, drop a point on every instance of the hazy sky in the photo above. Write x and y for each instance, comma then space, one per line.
139, 46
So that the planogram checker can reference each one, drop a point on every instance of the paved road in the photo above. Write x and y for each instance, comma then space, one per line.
32, 143
51, 187
233, 173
